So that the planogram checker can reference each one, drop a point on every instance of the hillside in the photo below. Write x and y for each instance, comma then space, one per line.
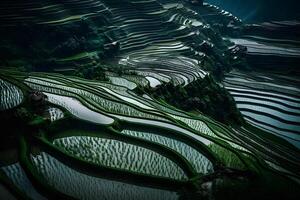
146, 99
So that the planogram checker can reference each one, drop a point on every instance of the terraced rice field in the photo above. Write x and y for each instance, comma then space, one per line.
272, 45
55, 114
116, 154
267, 104
76, 108
263, 48
122, 82
270, 99
17, 175
10, 95
149, 33
200, 162
48, 12
103, 140
82, 186
172, 148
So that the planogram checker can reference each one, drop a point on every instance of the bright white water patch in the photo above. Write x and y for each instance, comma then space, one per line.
153, 81
104, 103
270, 111
197, 23
157, 12
264, 107
165, 125
159, 77
82, 186
137, 79
263, 99
122, 82
293, 138
249, 100
43, 81
77, 109
246, 81
10, 95
200, 126
116, 154
256, 47
269, 120
263, 93
129, 100
172, 5
55, 114
199, 161
196, 125
146, 96
17, 175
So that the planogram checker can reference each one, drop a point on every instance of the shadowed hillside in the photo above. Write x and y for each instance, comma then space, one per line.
146, 99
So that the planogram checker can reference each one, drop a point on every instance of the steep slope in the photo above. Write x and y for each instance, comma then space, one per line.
147, 146
268, 93
119, 136
47, 35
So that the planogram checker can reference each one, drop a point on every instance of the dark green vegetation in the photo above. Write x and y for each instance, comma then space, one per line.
212, 164
35, 51
126, 99
203, 95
